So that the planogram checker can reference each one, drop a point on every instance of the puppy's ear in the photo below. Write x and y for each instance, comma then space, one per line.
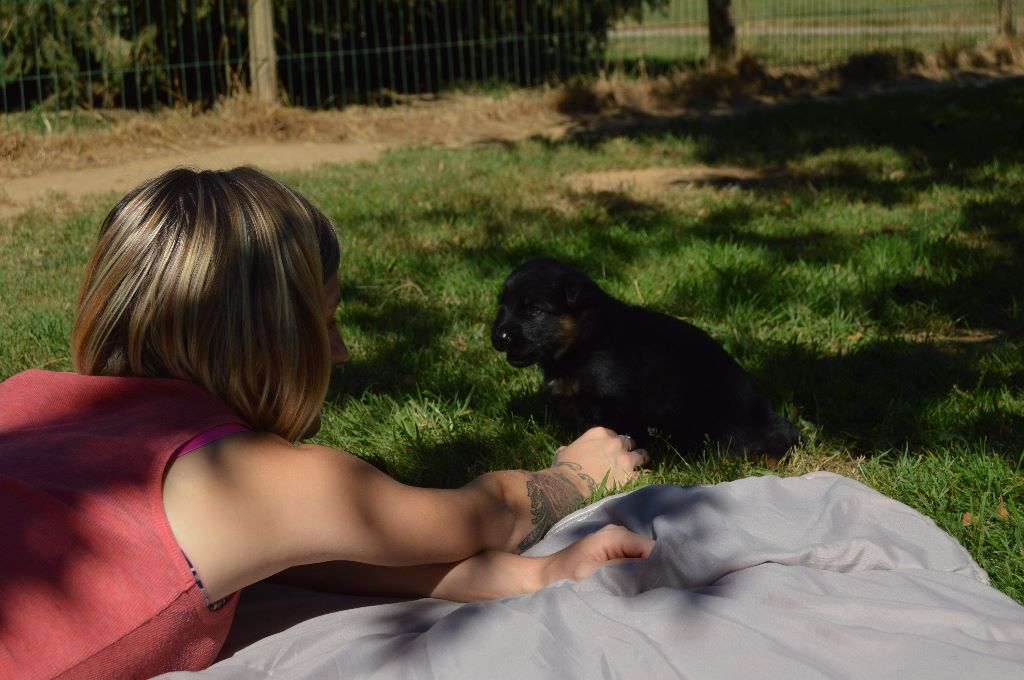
579, 290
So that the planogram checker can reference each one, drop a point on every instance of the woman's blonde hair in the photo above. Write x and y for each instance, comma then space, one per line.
216, 278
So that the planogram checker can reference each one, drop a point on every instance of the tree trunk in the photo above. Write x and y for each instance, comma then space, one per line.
721, 32
262, 55
1007, 25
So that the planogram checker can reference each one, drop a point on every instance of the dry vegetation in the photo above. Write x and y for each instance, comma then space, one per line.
115, 136
749, 82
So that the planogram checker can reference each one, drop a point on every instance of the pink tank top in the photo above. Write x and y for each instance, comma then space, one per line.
92, 581
211, 435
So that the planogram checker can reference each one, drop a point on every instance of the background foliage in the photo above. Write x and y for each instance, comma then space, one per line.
135, 53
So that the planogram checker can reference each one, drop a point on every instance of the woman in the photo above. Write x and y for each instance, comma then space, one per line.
140, 493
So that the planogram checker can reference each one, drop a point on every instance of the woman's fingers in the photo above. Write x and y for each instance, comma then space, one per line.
612, 544
640, 455
633, 463
619, 542
643, 457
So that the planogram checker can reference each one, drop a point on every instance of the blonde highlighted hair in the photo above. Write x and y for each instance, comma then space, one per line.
216, 278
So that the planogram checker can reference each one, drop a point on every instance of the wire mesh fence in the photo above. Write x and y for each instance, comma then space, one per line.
803, 32
67, 55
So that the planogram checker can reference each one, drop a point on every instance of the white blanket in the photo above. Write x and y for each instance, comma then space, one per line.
807, 577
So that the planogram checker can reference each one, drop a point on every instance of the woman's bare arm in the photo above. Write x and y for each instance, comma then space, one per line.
251, 505
484, 576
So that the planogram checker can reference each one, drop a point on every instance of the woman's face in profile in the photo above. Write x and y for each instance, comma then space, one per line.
339, 352
332, 298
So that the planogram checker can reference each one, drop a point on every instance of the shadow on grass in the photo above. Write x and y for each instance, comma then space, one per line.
942, 130
987, 291
467, 453
402, 329
890, 394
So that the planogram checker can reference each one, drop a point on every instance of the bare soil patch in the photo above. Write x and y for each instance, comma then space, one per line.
130, 147
67, 185
645, 182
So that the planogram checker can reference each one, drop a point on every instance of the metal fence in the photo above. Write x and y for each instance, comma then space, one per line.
65, 55
818, 33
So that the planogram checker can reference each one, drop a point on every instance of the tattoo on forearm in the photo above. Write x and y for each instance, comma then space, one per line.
578, 469
552, 497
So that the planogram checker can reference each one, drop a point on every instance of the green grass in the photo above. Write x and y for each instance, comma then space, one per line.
871, 283
47, 120
831, 12
660, 53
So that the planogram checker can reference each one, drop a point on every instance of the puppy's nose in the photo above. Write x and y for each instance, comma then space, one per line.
502, 340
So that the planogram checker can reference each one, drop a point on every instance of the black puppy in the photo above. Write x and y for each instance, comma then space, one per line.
631, 369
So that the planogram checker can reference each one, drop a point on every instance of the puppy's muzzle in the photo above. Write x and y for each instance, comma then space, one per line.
510, 342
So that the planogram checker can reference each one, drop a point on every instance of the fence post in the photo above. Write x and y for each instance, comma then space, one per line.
262, 56
721, 32
1007, 26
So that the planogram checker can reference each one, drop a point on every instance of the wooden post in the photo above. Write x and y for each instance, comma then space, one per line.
262, 55
1007, 26
721, 32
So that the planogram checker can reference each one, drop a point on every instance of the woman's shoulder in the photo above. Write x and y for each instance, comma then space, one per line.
247, 452
244, 507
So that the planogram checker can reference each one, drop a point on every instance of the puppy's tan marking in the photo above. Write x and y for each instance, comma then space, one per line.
566, 334
563, 387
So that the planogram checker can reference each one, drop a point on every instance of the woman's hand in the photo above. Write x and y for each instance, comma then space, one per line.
612, 544
599, 454
492, 574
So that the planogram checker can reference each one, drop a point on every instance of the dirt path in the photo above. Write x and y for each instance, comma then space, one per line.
58, 169
23, 192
